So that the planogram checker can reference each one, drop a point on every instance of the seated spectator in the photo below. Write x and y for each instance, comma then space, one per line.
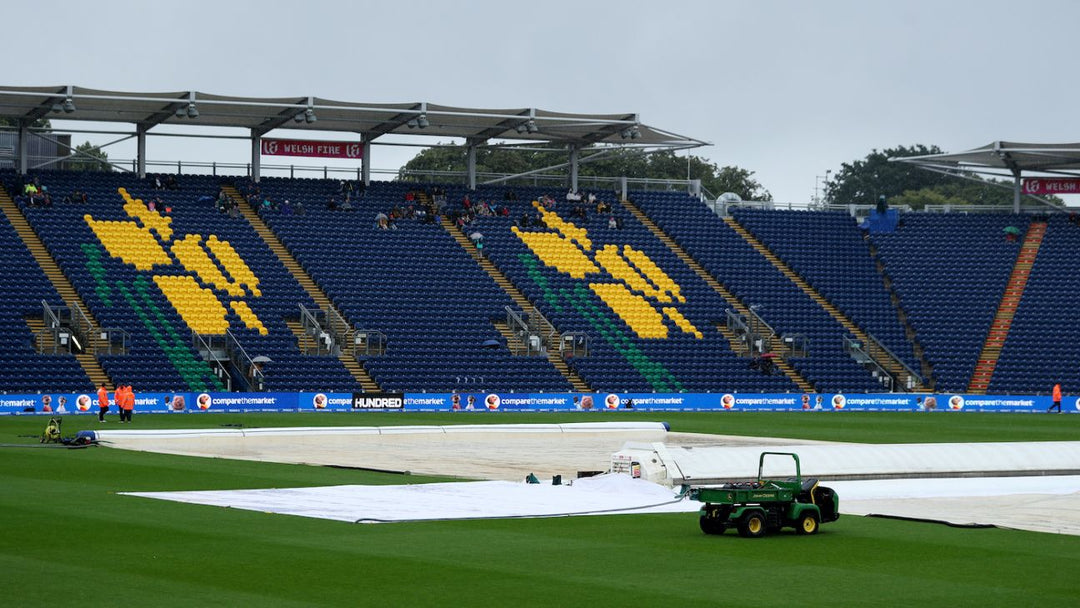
171, 183
332, 204
612, 223
286, 208
382, 221
300, 208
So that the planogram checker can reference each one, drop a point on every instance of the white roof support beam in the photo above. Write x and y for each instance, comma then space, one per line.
402, 118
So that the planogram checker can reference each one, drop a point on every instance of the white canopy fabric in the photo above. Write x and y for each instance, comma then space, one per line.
1009, 156
263, 114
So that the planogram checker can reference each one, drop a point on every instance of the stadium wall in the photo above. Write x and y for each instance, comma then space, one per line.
186, 402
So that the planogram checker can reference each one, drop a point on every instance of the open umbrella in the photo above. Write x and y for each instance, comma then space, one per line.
262, 359
491, 344
1013, 230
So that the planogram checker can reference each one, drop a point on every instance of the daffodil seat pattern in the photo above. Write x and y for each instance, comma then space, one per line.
204, 265
627, 280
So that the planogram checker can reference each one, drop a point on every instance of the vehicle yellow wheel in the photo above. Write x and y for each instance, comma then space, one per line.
808, 524
752, 525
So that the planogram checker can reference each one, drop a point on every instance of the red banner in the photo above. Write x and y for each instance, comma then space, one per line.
311, 148
1052, 185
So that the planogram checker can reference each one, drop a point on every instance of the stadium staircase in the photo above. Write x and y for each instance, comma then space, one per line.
917, 349
879, 355
1010, 301
576, 381
729, 297
62, 285
304, 341
304, 279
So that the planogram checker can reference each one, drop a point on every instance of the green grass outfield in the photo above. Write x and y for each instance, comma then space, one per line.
66, 537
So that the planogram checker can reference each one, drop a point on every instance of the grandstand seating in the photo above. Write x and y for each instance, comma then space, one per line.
1042, 346
651, 321
23, 286
664, 340
756, 282
415, 284
122, 270
827, 250
949, 271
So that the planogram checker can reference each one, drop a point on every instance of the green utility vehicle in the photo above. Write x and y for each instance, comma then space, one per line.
756, 508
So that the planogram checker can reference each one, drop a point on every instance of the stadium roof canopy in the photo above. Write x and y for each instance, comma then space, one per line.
308, 113
1005, 159
372, 119
1002, 157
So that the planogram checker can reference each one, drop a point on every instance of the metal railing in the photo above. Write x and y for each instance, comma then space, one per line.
248, 372
796, 345
857, 351
554, 180
210, 352
112, 341
321, 342
252, 371
736, 323
908, 379
523, 326
340, 330
367, 342
69, 329
574, 344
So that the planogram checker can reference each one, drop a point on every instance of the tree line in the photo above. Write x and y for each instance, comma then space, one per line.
861, 181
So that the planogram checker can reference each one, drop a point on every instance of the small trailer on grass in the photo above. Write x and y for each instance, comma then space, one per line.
759, 507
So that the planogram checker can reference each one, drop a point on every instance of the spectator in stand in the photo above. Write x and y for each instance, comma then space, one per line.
158, 184
332, 204
171, 184
286, 208
300, 208
612, 223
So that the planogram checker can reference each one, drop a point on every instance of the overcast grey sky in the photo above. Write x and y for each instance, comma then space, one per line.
788, 89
